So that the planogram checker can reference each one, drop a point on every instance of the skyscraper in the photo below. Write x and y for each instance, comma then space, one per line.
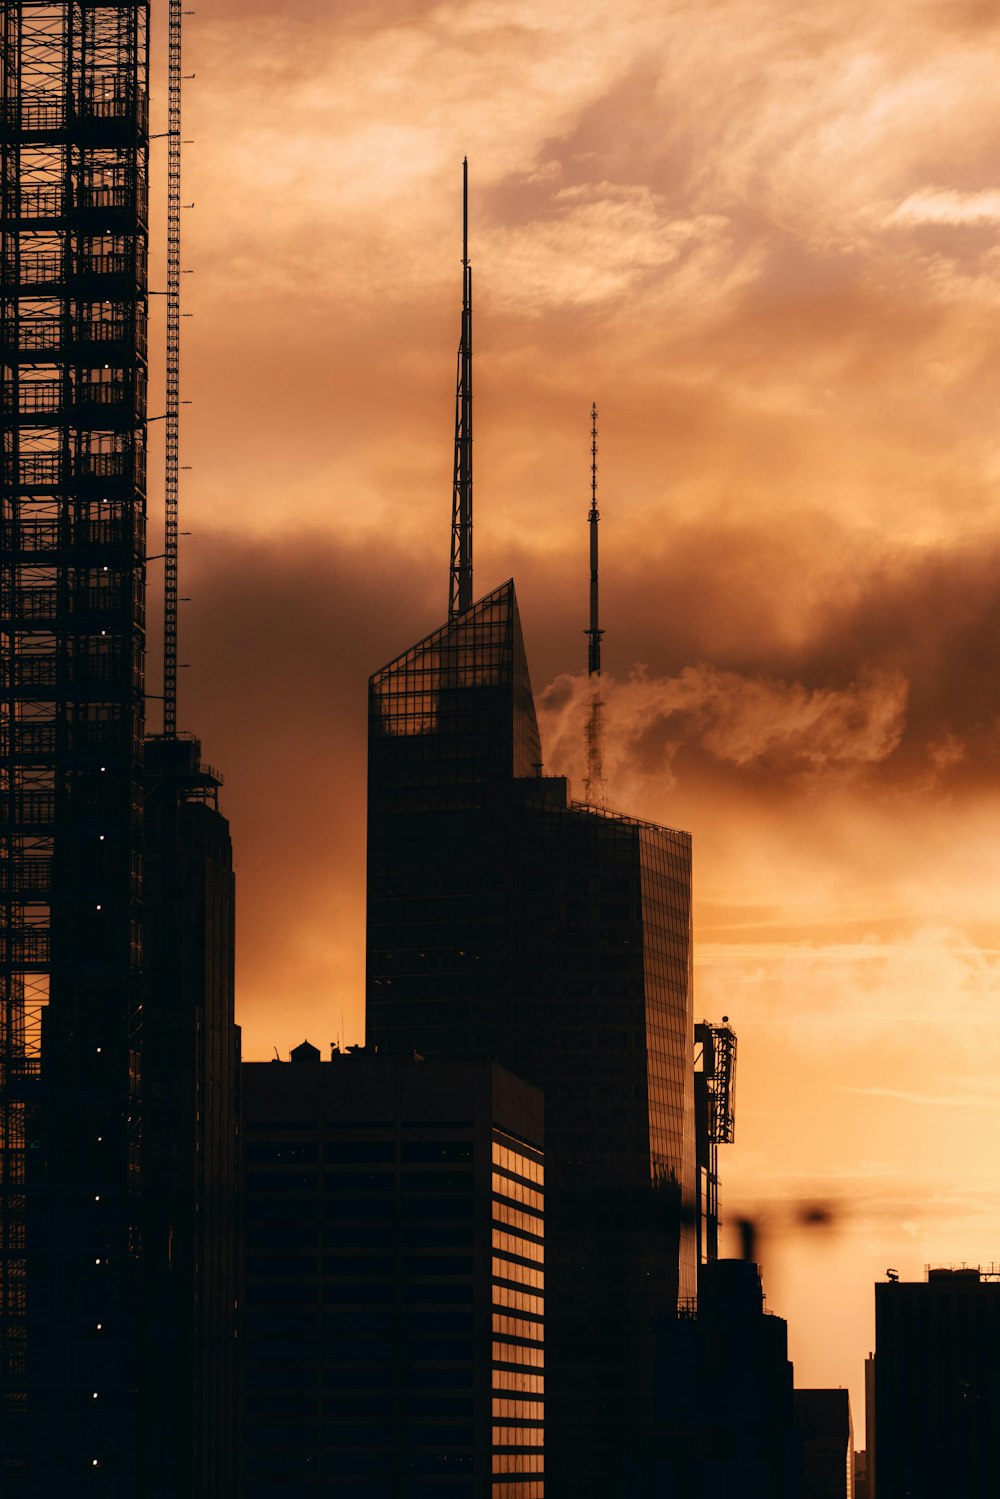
73, 221
505, 919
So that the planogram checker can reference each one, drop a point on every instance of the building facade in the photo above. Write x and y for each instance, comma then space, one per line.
724, 1397
394, 1279
73, 224
826, 1433
506, 920
937, 1385
190, 1243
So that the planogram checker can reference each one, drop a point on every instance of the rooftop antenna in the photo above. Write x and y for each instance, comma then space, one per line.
595, 791
172, 466
460, 597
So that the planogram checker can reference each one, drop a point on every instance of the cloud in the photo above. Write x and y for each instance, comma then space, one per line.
739, 720
930, 979
974, 1100
943, 206
604, 240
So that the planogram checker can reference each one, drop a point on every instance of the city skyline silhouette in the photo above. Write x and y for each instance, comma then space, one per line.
783, 309
764, 244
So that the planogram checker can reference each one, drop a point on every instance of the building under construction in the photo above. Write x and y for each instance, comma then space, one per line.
73, 140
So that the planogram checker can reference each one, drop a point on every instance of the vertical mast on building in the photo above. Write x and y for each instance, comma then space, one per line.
460, 597
595, 790
715, 1123
173, 370
73, 301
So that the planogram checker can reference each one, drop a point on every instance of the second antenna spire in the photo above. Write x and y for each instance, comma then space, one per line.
460, 595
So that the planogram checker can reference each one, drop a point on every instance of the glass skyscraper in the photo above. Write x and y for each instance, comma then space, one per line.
505, 919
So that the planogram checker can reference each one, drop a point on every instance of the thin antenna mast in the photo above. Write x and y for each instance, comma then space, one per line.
460, 597
594, 633
172, 466
594, 787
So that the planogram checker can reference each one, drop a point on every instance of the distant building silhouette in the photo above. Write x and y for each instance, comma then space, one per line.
395, 1279
506, 920
73, 221
190, 1247
725, 1424
937, 1385
826, 1432
870, 1432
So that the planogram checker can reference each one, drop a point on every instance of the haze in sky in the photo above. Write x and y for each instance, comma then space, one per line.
763, 237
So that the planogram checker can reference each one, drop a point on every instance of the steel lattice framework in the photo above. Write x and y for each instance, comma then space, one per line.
73, 211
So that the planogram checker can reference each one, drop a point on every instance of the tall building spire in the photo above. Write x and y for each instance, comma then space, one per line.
594, 633
595, 790
460, 596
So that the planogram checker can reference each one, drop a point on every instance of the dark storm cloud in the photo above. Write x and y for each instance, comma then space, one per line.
894, 671
770, 660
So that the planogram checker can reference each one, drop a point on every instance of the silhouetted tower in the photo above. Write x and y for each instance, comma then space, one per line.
595, 790
505, 920
460, 596
73, 221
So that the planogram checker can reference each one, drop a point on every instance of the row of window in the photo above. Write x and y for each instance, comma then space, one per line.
334, 1293
517, 1191
417, 1128
517, 1327
518, 1218
347, 1327
527, 1275
518, 1301
309, 1237
357, 1152
336, 1210
529, 1355
512, 1243
518, 1410
381, 1181
262, 1410
518, 1462
517, 1379
519, 1165
371, 1266
518, 1436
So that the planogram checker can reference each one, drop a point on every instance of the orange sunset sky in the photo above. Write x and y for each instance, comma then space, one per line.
763, 237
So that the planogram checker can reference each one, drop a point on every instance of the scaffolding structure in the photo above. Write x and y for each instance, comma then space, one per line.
73, 301
715, 1122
